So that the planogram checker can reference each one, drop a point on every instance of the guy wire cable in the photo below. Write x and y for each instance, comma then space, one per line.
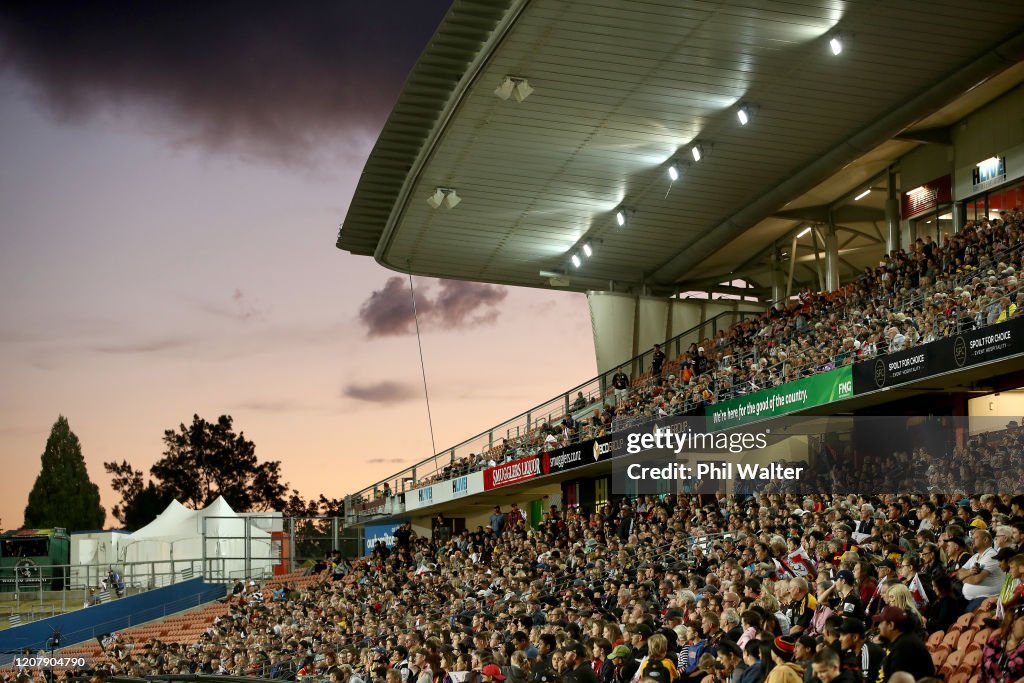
423, 368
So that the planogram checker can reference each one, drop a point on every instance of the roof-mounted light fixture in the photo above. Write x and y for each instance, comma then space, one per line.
804, 233
697, 151
744, 114
835, 43
673, 171
576, 260
514, 85
622, 215
862, 195
588, 251
443, 195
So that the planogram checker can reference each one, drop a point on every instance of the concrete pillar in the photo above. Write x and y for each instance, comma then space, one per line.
892, 215
831, 258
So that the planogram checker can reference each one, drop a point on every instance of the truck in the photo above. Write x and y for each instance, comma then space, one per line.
34, 559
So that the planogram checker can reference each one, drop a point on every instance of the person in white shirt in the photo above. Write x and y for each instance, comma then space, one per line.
981, 574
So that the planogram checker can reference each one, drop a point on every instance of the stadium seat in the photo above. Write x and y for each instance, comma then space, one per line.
970, 662
939, 657
934, 639
957, 678
950, 639
964, 621
952, 662
965, 639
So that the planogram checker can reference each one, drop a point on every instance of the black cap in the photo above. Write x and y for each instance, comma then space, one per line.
1004, 554
854, 626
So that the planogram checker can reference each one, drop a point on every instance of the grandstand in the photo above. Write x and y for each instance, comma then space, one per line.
850, 246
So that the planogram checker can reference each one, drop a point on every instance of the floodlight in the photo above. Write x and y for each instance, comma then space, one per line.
513, 85
673, 172
836, 44
435, 199
443, 195
743, 114
587, 250
697, 152
620, 217
522, 89
862, 195
576, 260
804, 233
504, 91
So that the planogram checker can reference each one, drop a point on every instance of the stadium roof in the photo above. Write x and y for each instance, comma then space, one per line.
620, 90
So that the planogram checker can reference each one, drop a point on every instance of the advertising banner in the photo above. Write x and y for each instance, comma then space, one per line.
581, 454
374, 533
952, 353
510, 473
442, 492
791, 397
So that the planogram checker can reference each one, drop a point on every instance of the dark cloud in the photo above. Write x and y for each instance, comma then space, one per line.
458, 304
389, 312
380, 392
273, 79
461, 303
392, 461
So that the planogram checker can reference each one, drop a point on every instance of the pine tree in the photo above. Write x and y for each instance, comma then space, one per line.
63, 495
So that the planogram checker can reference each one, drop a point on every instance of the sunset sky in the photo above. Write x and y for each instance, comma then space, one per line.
171, 187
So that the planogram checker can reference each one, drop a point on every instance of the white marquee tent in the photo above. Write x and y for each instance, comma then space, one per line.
174, 542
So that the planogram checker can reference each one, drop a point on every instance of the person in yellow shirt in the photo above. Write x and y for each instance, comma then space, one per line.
1007, 309
657, 649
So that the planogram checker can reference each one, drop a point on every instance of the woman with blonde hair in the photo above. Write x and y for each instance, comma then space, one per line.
657, 649
898, 595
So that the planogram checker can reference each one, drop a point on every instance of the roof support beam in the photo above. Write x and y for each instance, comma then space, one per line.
841, 214
938, 93
932, 136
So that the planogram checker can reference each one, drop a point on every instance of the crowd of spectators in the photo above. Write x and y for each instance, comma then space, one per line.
678, 588
913, 297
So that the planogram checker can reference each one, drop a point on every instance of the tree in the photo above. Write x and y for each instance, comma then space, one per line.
63, 494
201, 461
141, 501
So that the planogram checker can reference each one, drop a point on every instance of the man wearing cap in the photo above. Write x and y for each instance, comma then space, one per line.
638, 639
981, 575
904, 651
577, 668
849, 603
624, 663
886, 573
860, 657
785, 670
956, 551
491, 673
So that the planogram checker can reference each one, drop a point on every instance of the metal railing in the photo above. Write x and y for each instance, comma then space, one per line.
386, 496
470, 455
54, 589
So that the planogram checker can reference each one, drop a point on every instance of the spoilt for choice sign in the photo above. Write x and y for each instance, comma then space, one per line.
513, 472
